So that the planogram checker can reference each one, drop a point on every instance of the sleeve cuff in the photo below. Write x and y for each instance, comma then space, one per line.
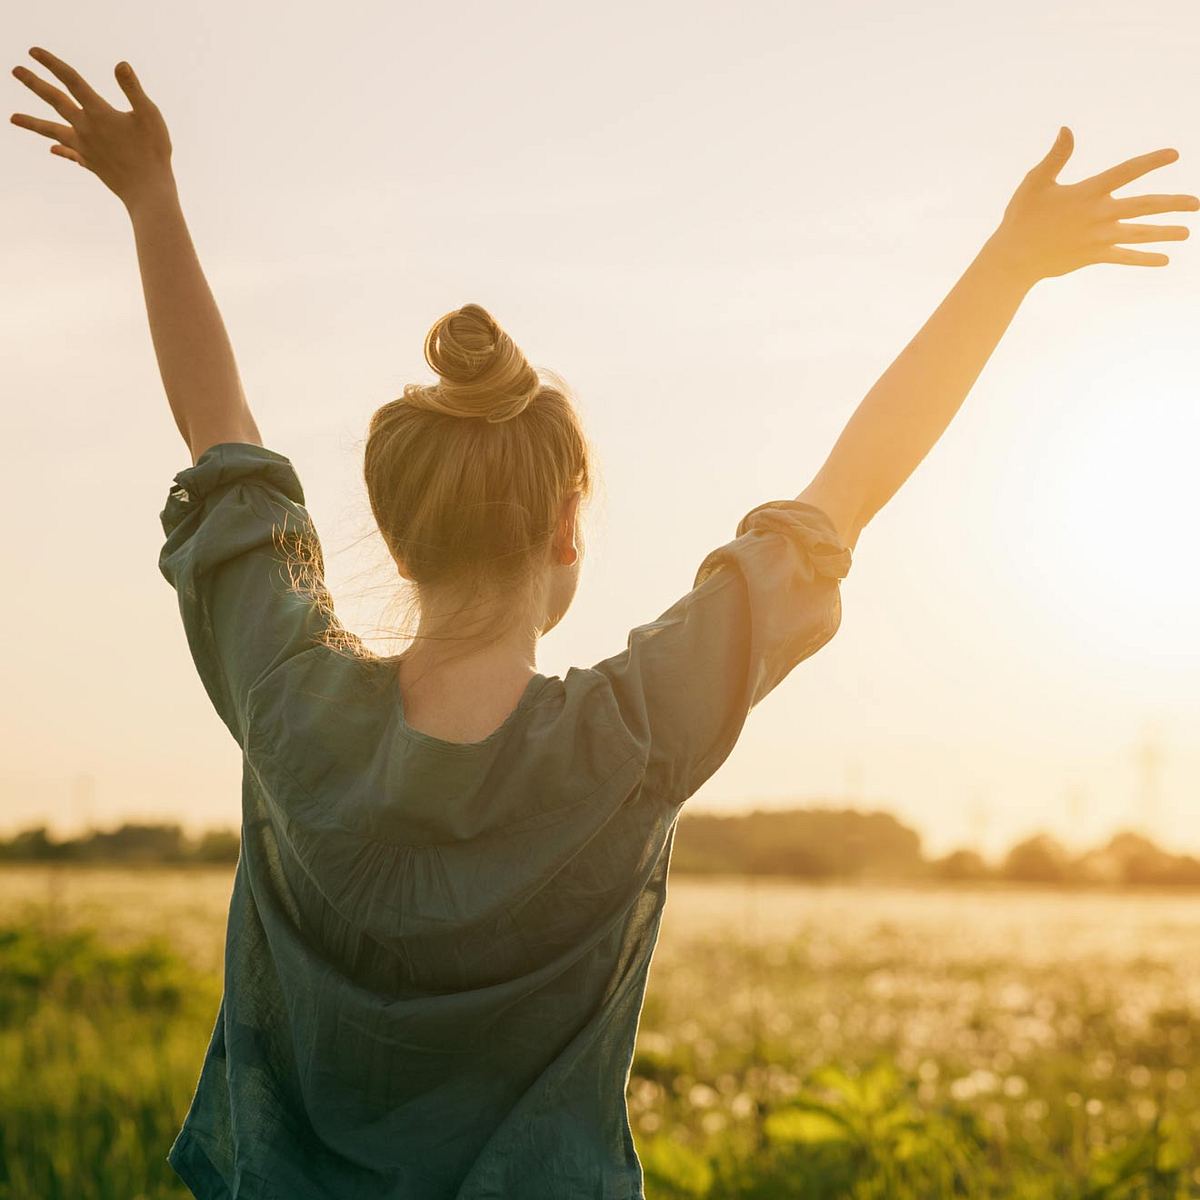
806, 524
225, 463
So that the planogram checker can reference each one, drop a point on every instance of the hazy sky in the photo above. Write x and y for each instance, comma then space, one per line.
720, 223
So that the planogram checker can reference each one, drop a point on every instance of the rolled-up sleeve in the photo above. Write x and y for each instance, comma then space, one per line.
236, 533
759, 605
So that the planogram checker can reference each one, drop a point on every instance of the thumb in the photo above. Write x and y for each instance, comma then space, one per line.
131, 86
1056, 159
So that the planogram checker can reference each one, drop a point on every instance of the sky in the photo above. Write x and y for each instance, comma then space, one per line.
720, 223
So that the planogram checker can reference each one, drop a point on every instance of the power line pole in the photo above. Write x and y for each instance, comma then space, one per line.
1149, 762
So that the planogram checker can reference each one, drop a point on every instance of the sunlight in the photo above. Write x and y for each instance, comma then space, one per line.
1116, 465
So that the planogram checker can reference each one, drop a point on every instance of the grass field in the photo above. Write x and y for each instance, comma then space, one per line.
797, 1041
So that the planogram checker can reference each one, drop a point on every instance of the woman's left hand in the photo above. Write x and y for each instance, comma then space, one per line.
129, 151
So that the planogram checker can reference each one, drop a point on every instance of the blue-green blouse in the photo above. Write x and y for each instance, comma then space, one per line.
437, 951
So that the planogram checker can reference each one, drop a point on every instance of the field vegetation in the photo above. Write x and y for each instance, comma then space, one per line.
877, 1043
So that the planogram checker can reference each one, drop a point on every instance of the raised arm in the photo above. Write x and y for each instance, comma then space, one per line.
1048, 229
130, 152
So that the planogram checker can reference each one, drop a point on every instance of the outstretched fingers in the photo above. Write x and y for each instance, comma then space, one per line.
55, 97
67, 152
1124, 232
1128, 171
1130, 258
1145, 206
50, 129
75, 83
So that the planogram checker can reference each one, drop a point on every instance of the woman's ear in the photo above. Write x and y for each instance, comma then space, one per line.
566, 539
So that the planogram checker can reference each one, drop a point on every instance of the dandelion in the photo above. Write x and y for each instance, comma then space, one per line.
984, 1081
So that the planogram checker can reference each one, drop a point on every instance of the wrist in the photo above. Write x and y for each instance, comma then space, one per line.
151, 195
1005, 264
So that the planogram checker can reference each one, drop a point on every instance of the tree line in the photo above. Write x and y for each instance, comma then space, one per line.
807, 843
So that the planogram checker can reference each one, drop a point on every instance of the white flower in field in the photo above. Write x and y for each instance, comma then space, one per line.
644, 1092
713, 1122
649, 1121
929, 1069
702, 1096
742, 1105
654, 1043
1014, 996
1139, 1076
1036, 1110
984, 1081
1015, 1086
881, 983
1094, 1107
963, 1089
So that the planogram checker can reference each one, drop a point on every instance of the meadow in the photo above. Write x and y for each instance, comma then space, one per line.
797, 1040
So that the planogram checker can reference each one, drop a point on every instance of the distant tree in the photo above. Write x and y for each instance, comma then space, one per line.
1185, 870
217, 845
1038, 859
34, 845
960, 865
812, 843
136, 843
1141, 860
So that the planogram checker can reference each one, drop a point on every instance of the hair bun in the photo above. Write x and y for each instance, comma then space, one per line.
481, 371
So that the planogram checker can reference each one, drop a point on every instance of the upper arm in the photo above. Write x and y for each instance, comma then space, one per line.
236, 527
759, 605
243, 430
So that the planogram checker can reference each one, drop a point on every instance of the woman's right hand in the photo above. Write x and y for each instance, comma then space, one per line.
130, 152
1051, 228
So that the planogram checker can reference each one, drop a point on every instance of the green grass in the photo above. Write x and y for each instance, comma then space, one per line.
99, 1053
828, 1063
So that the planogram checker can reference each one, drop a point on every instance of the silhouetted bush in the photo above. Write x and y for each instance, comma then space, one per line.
1038, 859
811, 843
960, 865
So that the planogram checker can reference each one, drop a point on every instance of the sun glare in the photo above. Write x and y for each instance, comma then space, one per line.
1116, 489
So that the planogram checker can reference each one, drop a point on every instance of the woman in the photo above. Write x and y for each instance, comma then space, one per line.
452, 866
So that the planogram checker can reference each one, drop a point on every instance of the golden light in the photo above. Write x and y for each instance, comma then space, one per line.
1109, 472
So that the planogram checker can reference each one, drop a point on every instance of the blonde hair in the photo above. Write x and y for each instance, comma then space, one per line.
467, 476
